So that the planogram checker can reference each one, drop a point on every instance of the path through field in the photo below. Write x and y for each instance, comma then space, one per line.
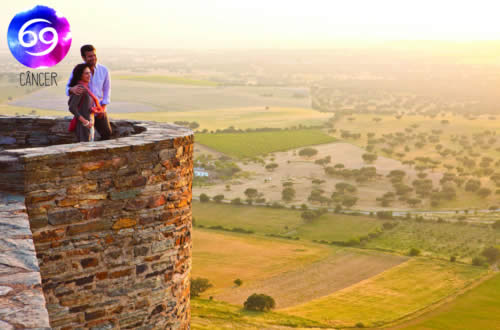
322, 278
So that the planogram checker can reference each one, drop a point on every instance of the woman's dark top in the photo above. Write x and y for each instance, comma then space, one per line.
80, 105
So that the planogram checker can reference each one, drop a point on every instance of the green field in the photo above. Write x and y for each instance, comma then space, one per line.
166, 80
396, 293
261, 220
476, 309
252, 144
207, 314
338, 227
265, 220
438, 239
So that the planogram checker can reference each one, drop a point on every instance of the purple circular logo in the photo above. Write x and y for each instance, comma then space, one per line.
39, 37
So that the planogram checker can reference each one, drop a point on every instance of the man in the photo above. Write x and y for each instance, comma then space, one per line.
99, 85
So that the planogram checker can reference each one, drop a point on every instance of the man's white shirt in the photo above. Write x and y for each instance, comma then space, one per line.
100, 83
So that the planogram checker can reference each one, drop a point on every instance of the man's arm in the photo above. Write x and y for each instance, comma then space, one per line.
77, 90
67, 85
106, 90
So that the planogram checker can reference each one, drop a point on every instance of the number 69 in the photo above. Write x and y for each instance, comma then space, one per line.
52, 42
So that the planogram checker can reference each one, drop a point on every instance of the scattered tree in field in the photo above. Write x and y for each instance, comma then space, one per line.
369, 158
349, 201
413, 201
218, 198
491, 253
238, 282
288, 194
259, 302
271, 166
308, 152
251, 193
198, 286
204, 198
308, 216
236, 201
478, 261
484, 192
496, 224
414, 252
472, 185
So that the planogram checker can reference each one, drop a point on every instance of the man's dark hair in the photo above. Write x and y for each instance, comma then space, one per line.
77, 74
86, 48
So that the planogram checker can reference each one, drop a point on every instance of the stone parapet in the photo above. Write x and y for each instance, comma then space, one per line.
111, 224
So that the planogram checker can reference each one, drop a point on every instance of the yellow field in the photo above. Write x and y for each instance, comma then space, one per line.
222, 258
398, 292
343, 269
10, 110
242, 118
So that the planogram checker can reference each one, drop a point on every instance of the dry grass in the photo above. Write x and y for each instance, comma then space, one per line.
395, 293
222, 258
343, 269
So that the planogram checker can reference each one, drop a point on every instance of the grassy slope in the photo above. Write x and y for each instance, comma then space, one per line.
476, 309
206, 314
263, 220
223, 257
258, 143
393, 294
438, 239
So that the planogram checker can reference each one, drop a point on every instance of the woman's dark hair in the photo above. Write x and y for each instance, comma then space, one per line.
77, 74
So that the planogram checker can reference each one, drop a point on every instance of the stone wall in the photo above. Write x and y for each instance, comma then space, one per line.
22, 304
111, 225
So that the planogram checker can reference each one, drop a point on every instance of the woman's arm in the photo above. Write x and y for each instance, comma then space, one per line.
74, 104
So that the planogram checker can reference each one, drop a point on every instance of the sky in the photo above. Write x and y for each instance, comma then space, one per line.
243, 24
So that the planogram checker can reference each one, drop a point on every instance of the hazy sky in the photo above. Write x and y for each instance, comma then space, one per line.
265, 23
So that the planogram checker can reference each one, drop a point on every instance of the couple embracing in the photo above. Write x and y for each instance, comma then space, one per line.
89, 91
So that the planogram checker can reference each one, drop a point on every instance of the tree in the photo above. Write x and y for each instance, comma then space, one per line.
484, 192
414, 252
472, 185
259, 302
349, 201
194, 125
288, 194
238, 282
218, 198
308, 216
369, 158
478, 261
271, 166
308, 152
491, 253
251, 193
414, 201
204, 198
496, 224
199, 285
236, 201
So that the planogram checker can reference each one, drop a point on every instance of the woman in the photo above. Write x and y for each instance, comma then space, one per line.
83, 106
